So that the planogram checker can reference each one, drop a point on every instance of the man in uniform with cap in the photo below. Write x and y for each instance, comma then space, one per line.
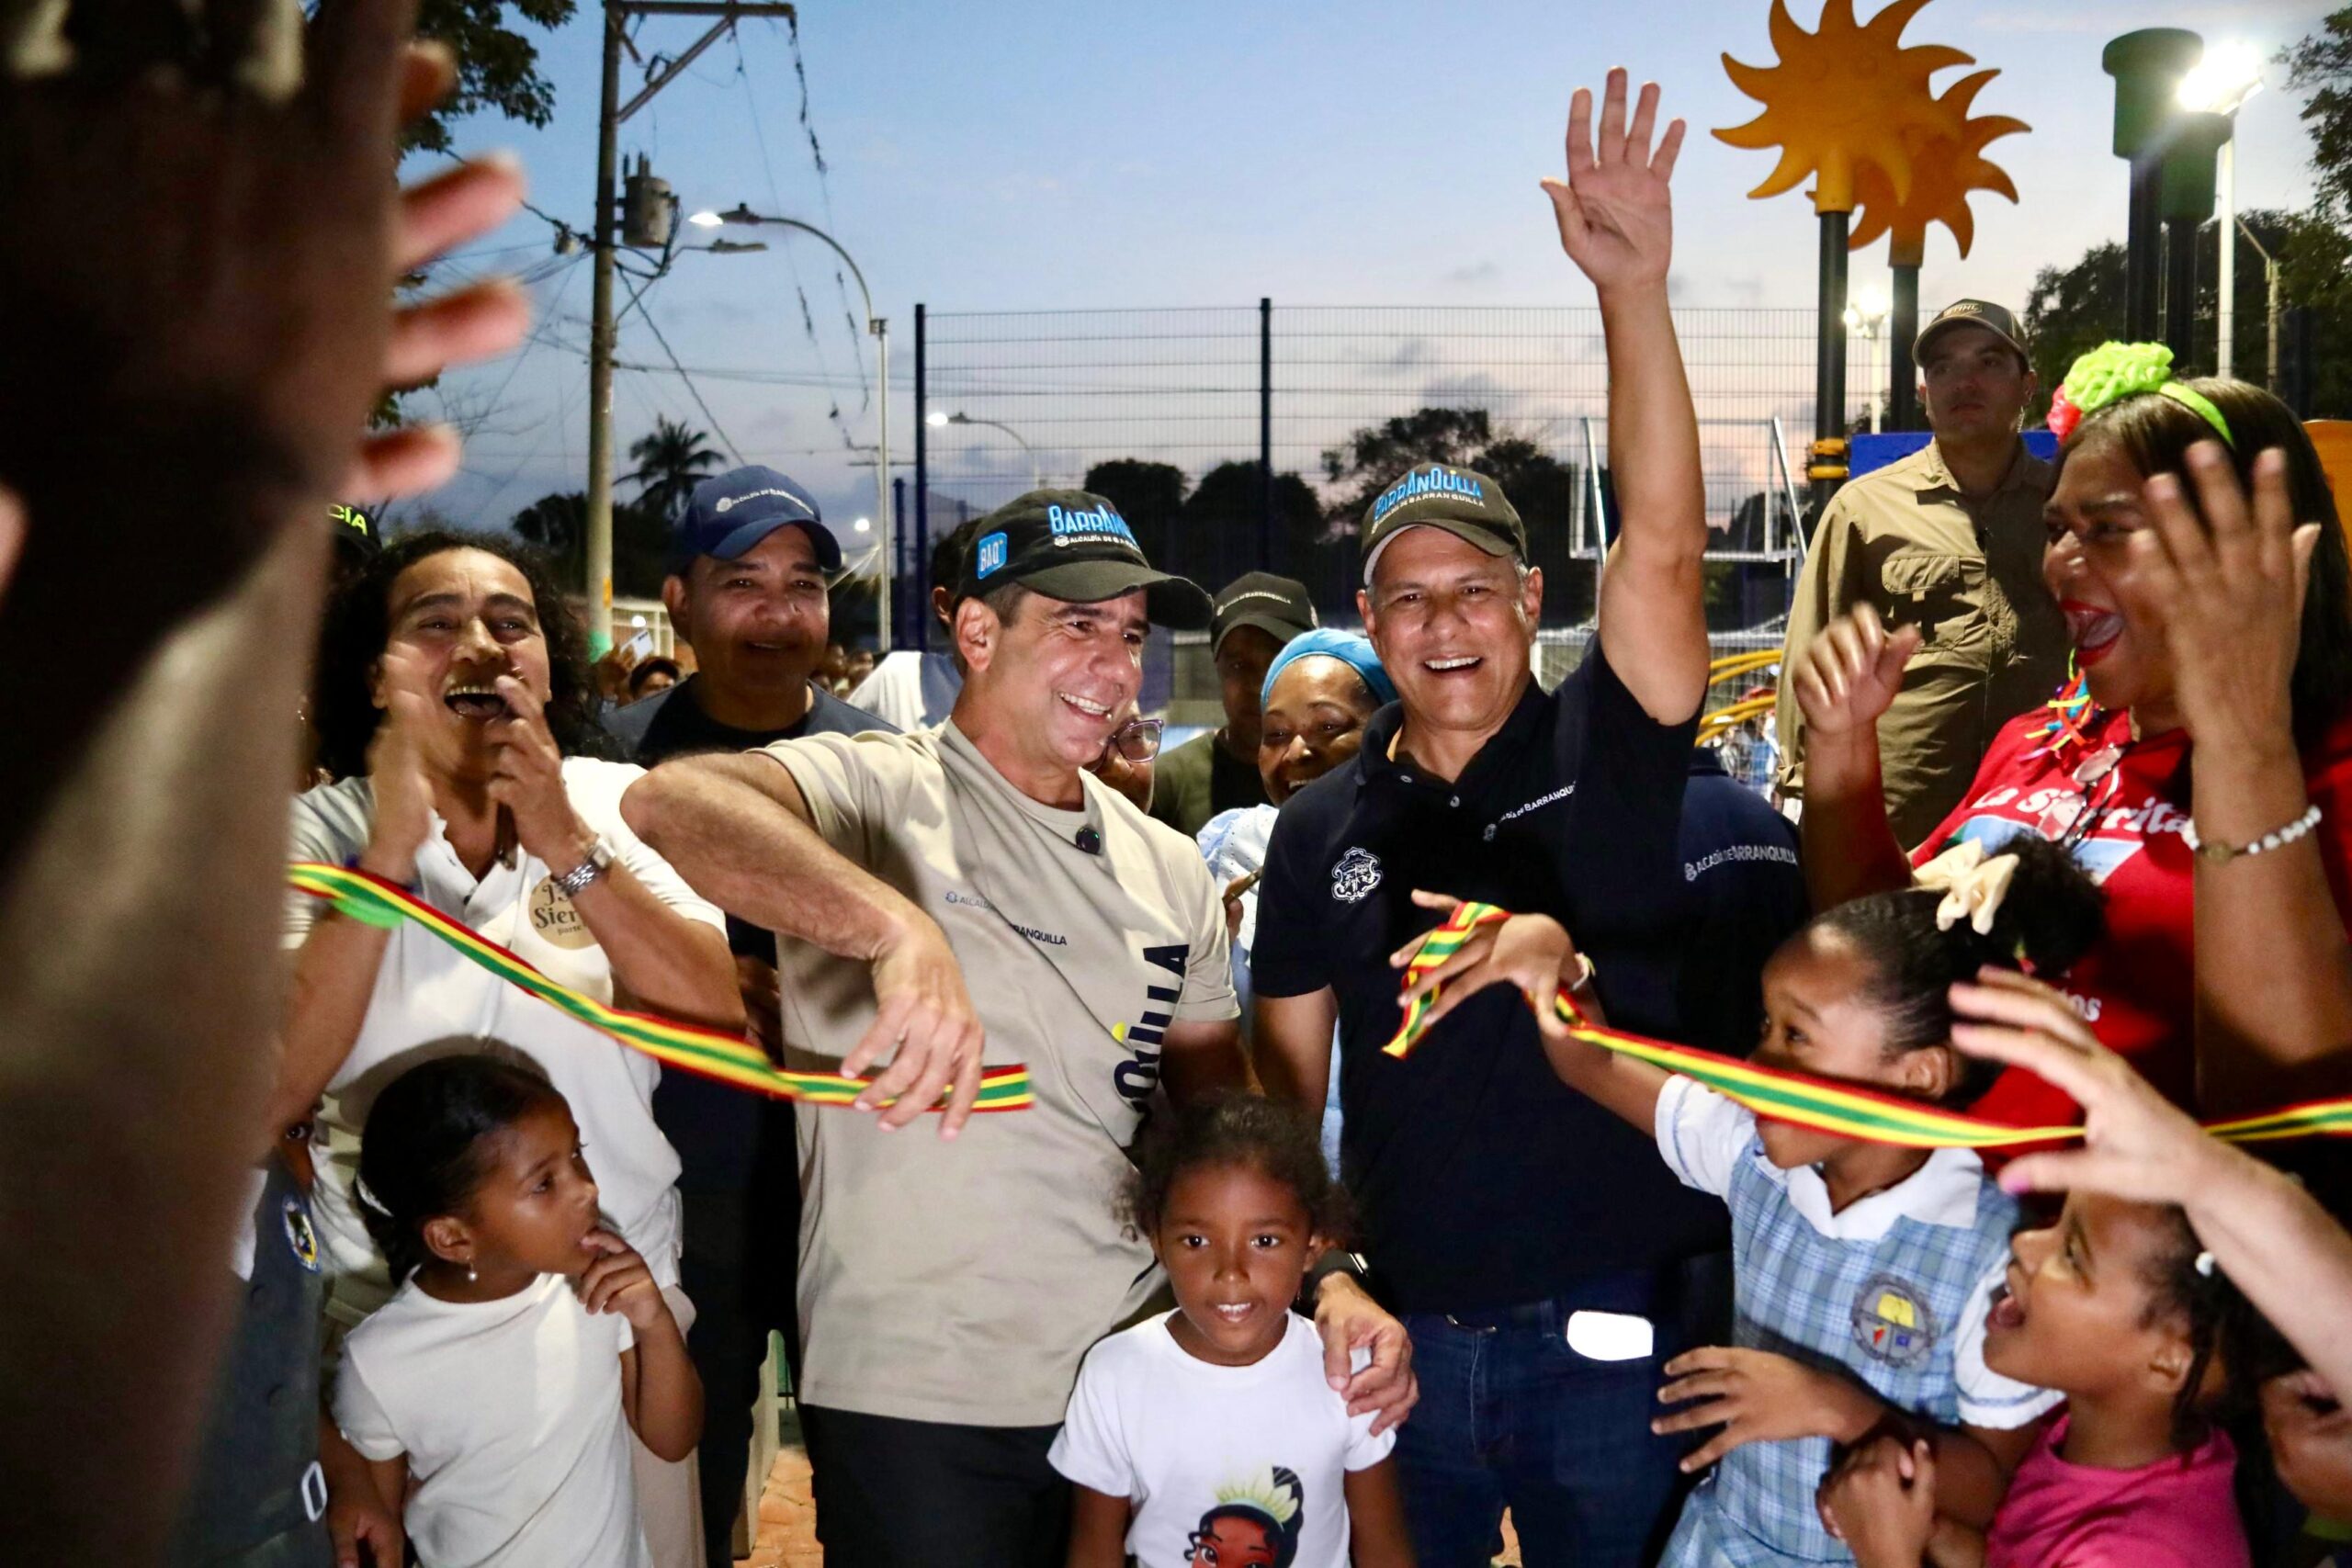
1536, 1246
937, 895
1950, 540
1256, 614
750, 560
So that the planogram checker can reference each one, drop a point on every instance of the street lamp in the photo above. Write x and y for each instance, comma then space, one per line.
938, 420
2220, 84
880, 330
1866, 316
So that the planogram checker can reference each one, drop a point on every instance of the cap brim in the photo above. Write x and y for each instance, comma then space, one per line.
1486, 539
1934, 329
746, 538
1274, 626
1173, 601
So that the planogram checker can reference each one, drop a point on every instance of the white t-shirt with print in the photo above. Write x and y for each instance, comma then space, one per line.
430, 999
1233, 1456
510, 1414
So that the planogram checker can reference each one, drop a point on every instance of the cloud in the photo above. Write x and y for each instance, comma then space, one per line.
1473, 274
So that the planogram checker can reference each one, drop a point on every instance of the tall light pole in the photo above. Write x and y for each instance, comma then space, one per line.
879, 329
607, 236
2220, 84
1867, 317
938, 420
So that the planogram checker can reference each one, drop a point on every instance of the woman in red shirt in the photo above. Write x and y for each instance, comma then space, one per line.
2214, 709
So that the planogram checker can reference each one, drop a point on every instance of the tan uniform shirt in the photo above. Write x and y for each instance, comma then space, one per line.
964, 1282
1965, 570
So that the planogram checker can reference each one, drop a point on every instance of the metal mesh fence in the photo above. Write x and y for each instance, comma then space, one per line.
1174, 414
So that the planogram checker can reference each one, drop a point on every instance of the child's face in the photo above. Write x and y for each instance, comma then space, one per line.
2074, 1313
1817, 1020
1228, 1542
1235, 1243
535, 1202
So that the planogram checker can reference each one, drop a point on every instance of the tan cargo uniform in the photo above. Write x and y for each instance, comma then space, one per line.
1967, 572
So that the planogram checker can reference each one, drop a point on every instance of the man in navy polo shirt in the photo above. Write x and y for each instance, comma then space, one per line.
1531, 1243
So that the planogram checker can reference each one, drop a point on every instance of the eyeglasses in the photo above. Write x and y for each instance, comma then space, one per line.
1137, 739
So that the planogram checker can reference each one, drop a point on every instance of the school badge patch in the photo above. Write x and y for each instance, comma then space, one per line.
1893, 1323
1355, 876
299, 1236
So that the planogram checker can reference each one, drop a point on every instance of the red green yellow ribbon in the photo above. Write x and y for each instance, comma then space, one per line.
1823, 1104
729, 1058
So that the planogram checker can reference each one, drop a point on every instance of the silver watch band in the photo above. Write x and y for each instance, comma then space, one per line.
599, 861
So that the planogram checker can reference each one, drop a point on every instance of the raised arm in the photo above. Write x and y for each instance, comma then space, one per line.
1846, 678
2267, 1233
736, 828
2274, 971
227, 359
1616, 220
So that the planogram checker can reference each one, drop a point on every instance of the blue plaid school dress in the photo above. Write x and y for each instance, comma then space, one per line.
1888, 1311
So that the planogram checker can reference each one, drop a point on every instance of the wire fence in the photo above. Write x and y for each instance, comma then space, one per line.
1240, 439
1180, 413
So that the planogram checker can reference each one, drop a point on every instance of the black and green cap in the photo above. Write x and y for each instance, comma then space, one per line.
1466, 504
1073, 545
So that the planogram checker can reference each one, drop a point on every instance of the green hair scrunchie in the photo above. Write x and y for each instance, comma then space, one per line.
2114, 371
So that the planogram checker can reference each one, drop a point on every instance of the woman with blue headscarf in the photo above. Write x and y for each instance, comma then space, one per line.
1320, 692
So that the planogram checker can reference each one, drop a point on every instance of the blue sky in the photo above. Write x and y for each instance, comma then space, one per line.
1033, 155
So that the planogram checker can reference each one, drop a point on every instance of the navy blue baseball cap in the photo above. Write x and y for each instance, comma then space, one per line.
731, 512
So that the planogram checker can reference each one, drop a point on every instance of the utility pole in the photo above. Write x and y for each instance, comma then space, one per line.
610, 115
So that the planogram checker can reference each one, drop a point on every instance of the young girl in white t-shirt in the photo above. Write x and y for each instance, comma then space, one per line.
1209, 1436
523, 1335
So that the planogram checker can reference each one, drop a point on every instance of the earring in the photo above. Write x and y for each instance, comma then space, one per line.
469, 1275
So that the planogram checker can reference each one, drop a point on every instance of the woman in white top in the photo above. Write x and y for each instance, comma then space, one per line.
452, 694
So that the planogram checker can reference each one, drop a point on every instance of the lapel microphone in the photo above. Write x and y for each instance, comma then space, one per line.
1089, 839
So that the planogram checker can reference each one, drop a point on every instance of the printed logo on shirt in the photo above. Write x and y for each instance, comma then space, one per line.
555, 920
2122, 832
1893, 1323
299, 1237
1355, 876
1256, 1519
1137, 1076
1780, 855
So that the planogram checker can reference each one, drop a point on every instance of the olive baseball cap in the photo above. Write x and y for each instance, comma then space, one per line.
1279, 606
1994, 318
1470, 506
1073, 545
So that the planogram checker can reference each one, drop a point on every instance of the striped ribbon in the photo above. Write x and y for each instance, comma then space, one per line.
1820, 1103
729, 1058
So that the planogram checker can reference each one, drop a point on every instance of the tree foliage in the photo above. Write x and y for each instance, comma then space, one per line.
1147, 494
671, 461
2321, 66
498, 67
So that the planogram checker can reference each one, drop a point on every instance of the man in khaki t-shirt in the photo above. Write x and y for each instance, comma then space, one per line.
952, 897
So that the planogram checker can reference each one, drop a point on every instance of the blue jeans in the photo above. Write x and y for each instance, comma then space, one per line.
1511, 1416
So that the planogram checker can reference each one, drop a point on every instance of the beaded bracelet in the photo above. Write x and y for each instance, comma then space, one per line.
2217, 854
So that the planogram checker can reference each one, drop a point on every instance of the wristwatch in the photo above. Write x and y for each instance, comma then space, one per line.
599, 861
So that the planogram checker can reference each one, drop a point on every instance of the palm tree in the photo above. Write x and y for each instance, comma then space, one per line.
669, 463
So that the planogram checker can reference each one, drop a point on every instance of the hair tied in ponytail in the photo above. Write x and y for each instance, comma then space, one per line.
1973, 885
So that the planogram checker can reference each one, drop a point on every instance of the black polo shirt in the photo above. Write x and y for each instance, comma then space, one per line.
1483, 1180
